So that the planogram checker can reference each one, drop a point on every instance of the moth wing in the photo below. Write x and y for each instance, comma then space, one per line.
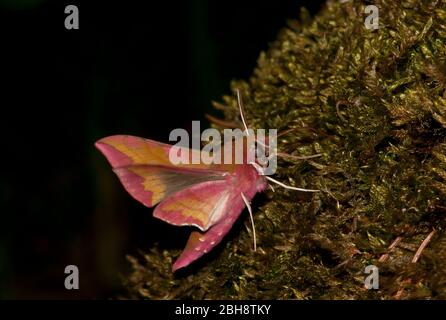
201, 205
200, 243
125, 150
151, 184
144, 169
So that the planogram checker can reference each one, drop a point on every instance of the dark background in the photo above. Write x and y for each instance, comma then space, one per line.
140, 68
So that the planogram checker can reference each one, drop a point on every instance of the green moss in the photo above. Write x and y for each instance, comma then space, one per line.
374, 104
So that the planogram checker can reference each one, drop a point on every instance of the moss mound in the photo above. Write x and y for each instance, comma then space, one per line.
373, 102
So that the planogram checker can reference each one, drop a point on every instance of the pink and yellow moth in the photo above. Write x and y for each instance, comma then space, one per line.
209, 197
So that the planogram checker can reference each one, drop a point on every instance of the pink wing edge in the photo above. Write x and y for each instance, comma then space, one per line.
201, 191
119, 159
200, 243
120, 162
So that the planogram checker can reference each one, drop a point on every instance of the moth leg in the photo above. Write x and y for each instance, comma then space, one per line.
283, 185
248, 205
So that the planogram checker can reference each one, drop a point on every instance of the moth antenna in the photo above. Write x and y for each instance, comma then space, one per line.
248, 205
240, 106
272, 188
289, 187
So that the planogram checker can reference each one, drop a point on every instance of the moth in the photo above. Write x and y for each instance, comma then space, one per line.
209, 197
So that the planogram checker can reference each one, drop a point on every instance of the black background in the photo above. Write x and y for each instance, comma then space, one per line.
140, 68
